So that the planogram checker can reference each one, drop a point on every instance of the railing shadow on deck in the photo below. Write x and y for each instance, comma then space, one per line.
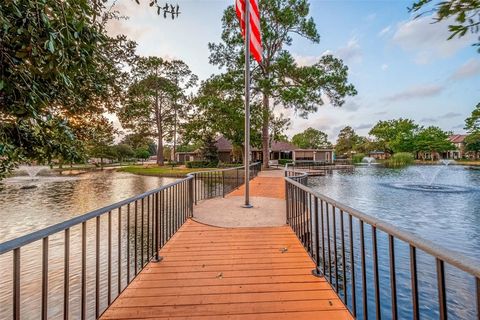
377, 269
87, 261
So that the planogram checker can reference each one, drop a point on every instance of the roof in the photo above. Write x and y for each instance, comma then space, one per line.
457, 138
314, 150
223, 144
282, 146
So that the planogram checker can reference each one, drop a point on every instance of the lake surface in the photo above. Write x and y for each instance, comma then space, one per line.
57, 199
438, 203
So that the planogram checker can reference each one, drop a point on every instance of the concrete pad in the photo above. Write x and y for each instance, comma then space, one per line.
272, 173
228, 212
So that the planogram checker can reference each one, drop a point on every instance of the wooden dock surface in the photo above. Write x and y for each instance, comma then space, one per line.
229, 273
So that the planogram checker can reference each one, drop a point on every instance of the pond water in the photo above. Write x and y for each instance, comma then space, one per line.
56, 199
439, 203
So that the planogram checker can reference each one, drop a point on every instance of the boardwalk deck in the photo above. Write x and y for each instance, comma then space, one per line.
230, 273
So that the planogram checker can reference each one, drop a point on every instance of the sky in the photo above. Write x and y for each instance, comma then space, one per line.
400, 66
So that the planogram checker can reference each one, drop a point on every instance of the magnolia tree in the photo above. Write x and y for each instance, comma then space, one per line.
279, 81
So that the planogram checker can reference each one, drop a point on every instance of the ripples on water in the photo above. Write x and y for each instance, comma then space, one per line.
54, 200
445, 210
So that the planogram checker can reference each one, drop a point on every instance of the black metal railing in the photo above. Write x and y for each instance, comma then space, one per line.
218, 183
86, 262
377, 269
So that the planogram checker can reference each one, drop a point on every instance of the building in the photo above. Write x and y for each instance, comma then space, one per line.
379, 155
279, 150
459, 141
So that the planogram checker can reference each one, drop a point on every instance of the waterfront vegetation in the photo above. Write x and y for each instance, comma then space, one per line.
398, 160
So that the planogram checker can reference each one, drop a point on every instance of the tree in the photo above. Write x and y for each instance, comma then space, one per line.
278, 80
179, 73
347, 141
311, 139
219, 109
55, 65
395, 135
151, 106
142, 154
472, 143
137, 141
433, 139
208, 150
472, 125
123, 151
464, 12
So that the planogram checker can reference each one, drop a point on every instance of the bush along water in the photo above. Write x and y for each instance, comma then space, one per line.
399, 160
357, 158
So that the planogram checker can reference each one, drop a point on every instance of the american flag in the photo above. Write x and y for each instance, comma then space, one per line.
255, 35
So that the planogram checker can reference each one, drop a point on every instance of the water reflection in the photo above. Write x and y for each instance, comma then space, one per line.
448, 218
57, 199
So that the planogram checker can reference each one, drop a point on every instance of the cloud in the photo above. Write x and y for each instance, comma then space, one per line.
416, 92
450, 115
351, 105
469, 69
384, 31
306, 60
384, 67
351, 52
363, 126
428, 40
429, 120
370, 17
446, 116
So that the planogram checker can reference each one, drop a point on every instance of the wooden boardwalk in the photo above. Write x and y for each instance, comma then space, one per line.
217, 273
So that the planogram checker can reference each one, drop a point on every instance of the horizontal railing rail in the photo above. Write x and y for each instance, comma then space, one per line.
211, 184
335, 236
103, 250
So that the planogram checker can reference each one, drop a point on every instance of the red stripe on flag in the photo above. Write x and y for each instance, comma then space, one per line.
255, 32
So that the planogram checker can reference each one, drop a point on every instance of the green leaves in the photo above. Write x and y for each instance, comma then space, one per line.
57, 63
464, 12
311, 139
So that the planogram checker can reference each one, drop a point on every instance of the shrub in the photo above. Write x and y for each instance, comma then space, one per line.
230, 165
283, 162
357, 158
201, 164
399, 160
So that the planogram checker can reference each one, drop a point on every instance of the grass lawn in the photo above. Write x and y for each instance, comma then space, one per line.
166, 171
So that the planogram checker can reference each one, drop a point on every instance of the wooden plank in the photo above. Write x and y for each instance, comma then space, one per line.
303, 315
223, 309
177, 300
220, 273
244, 288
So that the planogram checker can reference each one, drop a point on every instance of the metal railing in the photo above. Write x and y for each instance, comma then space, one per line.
123, 238
347, 245
218, 183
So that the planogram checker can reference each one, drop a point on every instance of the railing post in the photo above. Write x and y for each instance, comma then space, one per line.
191, 197
157, 257
223, 184
316, 272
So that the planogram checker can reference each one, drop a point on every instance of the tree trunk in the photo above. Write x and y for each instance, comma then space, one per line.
265, 131
158, 118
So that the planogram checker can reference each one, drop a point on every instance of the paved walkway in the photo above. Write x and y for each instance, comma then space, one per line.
267, 194
229, 273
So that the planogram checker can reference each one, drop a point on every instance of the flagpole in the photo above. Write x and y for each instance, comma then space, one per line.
247, 105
